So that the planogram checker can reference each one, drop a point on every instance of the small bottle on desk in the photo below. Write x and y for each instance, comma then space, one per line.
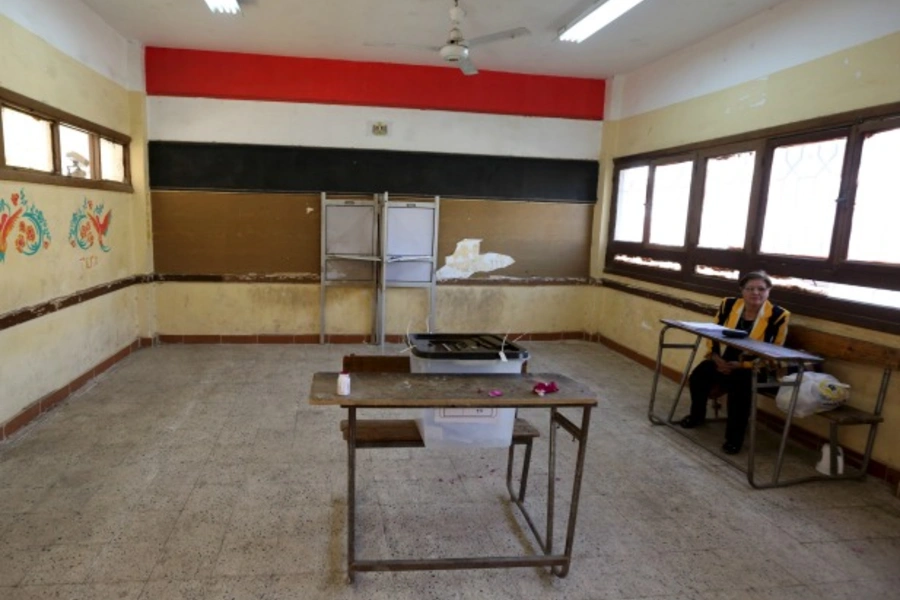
343, 384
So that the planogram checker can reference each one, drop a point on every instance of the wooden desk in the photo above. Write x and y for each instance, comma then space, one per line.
761, 353
406, 390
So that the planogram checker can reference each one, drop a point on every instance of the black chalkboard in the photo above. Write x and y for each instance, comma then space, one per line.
246, 167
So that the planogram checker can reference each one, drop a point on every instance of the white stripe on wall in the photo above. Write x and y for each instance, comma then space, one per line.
332, 126
790, 34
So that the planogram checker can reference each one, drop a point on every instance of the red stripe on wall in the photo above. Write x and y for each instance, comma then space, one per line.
196, 73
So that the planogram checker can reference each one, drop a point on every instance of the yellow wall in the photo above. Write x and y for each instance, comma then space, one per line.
863, 76
39, 356
293, 309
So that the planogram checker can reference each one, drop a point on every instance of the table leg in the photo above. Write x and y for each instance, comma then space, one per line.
551, 482
576, 491
351, 493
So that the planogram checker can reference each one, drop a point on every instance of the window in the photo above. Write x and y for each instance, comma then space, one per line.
804, 185
669, 187
112, 160
815, 204
668, 215
45, 145
726, 201
876, 212
632, 199
27, 141
75, 148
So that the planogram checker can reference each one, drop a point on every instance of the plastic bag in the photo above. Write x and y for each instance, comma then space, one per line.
819, 392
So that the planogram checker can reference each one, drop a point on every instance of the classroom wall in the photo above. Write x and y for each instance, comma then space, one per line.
40, 355
700, 100
237, 169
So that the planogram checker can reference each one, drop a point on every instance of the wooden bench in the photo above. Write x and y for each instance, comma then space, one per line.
404, 433
836, 347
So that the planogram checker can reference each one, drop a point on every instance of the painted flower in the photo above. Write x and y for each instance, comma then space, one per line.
20, 243
15, 199
30, 234
46, 244
21, 225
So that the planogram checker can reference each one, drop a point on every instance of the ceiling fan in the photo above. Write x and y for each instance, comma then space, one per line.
456, 49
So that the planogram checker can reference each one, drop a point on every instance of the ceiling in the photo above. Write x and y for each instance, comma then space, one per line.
363, 30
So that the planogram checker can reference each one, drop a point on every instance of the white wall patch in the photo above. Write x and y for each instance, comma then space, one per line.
467, 260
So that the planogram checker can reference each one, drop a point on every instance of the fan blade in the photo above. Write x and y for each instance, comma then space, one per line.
509, 34
399, 45
467, 67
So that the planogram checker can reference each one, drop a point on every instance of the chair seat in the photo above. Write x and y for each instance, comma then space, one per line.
404, 433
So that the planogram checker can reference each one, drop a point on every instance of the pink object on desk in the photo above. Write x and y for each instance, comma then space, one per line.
542, 388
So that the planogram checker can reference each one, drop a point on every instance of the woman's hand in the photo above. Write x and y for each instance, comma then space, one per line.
725, 367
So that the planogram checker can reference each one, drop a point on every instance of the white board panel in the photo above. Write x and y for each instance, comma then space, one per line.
350, 229
410, 231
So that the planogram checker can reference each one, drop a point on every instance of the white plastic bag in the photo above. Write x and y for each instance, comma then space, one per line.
819, 392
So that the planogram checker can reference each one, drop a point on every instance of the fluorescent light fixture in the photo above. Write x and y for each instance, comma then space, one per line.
595, 19
224, 6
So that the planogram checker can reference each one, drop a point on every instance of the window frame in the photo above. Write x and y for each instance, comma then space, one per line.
835, 268
56, 117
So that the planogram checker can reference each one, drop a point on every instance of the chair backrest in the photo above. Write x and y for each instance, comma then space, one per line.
375, 363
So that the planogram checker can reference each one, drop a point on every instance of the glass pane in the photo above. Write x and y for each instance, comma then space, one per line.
671, 192
726, 201
75, 149
630, 204
26, 141
803, 189
873, 235
112, 160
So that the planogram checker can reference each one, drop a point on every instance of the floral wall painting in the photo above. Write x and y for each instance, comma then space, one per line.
23, 225
89, 225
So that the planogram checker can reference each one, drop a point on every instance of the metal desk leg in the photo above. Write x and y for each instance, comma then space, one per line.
351, 493
576, 488
684, 376
779, 461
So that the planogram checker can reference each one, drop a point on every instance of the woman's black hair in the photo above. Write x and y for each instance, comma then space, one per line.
755, 275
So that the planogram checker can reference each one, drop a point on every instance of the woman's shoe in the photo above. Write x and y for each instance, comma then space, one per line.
729, 448
689, 422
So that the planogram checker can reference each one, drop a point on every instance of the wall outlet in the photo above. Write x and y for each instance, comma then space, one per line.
379, 128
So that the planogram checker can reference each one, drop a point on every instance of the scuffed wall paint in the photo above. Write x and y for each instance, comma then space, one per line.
44, 354
40, 356
859, 77
791, 34
293, 309
521, 309
467, 260
79, 32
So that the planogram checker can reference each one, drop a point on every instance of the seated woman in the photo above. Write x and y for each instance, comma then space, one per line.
763, 321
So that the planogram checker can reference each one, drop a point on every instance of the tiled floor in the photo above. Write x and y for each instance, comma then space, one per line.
201, 472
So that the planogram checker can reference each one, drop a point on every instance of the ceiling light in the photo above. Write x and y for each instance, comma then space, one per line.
595, 19
224, 6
